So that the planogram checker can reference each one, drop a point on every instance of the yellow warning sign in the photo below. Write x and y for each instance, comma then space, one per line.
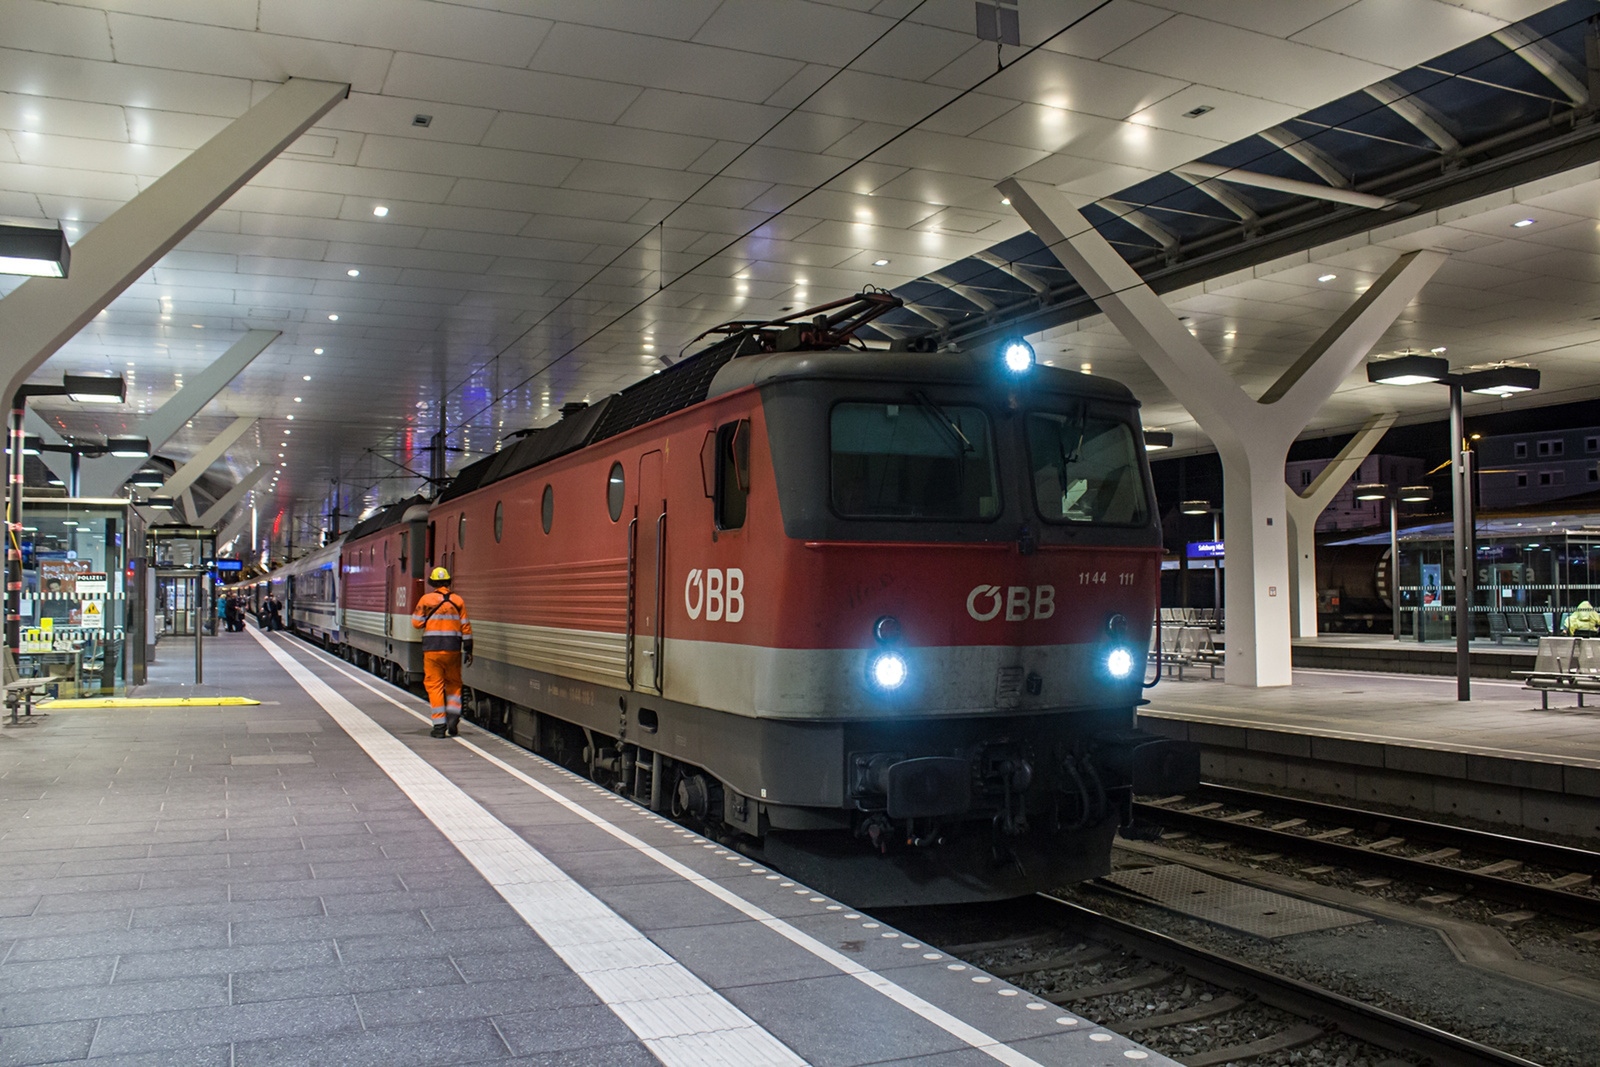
93, 617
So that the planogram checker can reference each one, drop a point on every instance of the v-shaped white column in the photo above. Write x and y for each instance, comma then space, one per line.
1252, 436
1303, 509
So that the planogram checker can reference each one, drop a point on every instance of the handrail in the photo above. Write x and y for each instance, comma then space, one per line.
633, 538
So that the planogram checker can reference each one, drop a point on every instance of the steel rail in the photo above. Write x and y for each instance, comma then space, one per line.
1351, 1017
1580, 908
1517, 848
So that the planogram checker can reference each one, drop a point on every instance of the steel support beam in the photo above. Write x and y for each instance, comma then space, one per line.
108, 474
217, 511
1423, 118
1542, 57
1252, 436
42, 314
234, 529
1303, 509
51, 436
186, 475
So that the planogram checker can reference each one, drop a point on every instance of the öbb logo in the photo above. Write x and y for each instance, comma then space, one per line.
1020, 602
719, 595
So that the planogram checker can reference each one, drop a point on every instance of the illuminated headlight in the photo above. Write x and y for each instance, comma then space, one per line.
887, 671
1017, 355
1120, 663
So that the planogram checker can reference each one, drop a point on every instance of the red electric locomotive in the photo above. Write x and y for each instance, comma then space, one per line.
878, 617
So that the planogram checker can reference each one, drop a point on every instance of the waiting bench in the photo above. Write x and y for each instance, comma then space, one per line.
1564, 664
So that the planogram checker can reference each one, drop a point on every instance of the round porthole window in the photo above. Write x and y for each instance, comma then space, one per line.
614, 490
547, 508
461, 529
499, 519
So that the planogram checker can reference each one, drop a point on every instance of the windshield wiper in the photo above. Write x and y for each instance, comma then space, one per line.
949, 425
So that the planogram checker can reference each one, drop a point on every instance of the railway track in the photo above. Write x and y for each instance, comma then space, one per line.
1321, 1011
1553, 880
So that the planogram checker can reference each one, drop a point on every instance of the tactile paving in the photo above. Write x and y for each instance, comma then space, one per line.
1238, 907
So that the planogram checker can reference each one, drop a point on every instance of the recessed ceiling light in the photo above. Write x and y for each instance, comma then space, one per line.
196, 325
353, 273
880, 263
286, 431
1230, 335
291, 418
307, 377
1006, 200
333, 318
1522, 223
297, 400
1326, 277
380, 211
316, 351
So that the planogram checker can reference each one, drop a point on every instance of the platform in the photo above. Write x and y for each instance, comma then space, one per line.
1398, 739
315, 879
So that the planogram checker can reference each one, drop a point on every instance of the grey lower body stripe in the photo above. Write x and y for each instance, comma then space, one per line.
679, 1018
932, 1013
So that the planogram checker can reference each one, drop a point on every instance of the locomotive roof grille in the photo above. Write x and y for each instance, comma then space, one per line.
388, 516
679, 386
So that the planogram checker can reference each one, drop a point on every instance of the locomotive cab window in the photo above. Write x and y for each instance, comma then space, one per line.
733, 474
547, 508
912, 460
1085, 469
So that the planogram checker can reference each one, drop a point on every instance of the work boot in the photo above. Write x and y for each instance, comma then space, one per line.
454, 728
437, 731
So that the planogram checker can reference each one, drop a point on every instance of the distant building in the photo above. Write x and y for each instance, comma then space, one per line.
1345, 512
1517, 469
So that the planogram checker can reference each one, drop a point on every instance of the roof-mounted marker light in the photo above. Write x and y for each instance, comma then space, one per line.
1017, 355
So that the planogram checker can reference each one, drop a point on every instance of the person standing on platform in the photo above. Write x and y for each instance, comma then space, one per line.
1584, 622
446, 642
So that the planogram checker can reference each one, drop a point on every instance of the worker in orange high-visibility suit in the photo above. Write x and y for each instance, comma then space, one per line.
446, 639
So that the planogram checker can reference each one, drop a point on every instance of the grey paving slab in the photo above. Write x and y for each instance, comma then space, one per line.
205, 1056
53, 974
140, 966
474, 1041
241, 1022
122, 998
45, 1042
577, 1027
457, 1001
835, 1024
158, 939
345, 978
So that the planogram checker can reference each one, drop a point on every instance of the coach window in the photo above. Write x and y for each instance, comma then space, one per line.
733, 474
614, 492
547, 508
499, 519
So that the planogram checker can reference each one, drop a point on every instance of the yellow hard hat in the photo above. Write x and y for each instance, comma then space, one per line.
439, 575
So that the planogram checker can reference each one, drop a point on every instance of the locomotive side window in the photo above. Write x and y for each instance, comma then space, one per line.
499, 519
405, 544
914, 460
547, 508
461, 530
614, 492
1085, 469
733, 474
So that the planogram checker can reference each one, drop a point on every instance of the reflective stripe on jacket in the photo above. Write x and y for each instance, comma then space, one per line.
442, 618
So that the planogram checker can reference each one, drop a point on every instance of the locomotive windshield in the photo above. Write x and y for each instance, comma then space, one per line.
915, 460
1085, 469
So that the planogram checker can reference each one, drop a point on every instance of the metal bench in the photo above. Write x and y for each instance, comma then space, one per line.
1556, 668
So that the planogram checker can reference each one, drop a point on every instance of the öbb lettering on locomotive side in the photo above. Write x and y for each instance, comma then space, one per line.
821, 599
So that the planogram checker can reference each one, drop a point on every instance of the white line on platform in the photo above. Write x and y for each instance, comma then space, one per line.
929, 1012
679, 1018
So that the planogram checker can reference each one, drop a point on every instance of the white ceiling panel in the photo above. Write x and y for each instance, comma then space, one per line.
700, 116
1062, 81
873, 97
658, 63
150, 42
1108, 28
1279, 18
1207, 53
484, 36
793, 29
1390, 31
535, 92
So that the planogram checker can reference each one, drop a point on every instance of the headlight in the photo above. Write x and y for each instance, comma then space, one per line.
887, 671
1017, 355
1120, 663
